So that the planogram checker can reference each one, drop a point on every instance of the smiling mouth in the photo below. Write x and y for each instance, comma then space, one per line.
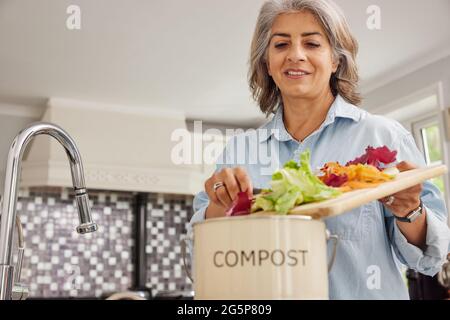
296, 74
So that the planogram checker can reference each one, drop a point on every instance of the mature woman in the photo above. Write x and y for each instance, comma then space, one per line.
302, 69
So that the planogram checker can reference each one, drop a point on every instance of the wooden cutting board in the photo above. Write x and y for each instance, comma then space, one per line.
357, 198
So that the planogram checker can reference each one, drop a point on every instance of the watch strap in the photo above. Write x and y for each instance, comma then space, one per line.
412, 216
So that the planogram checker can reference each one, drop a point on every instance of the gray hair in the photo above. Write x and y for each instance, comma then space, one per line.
343, 45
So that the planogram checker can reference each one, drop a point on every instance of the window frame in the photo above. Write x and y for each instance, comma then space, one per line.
416, 127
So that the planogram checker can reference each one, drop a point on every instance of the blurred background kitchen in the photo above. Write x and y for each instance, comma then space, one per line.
122, 76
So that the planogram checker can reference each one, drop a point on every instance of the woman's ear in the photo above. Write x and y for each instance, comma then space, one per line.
335, 65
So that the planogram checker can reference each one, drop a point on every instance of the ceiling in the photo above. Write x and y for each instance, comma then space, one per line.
185, 55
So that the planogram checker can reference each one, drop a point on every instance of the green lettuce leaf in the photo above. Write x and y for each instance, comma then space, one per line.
293, 185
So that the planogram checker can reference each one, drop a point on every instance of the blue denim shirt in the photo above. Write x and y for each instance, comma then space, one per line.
371, 246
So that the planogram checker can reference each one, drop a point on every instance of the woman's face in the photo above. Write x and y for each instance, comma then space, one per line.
300, 57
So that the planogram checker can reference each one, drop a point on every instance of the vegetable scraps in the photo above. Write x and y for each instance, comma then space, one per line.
375, 157
293, 185
296, 184
363, 172
240, 206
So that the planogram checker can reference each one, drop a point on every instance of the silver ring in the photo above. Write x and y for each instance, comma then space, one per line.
390, 200
218, 185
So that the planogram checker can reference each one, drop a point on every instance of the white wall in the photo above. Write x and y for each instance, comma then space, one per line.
410, 84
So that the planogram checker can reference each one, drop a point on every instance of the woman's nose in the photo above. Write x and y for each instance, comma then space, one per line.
296, 53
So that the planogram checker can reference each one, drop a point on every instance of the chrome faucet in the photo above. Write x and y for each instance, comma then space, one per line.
9, 199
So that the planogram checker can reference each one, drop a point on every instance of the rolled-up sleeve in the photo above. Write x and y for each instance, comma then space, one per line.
430, 260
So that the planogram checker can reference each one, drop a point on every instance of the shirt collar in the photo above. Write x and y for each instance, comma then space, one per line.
339, 109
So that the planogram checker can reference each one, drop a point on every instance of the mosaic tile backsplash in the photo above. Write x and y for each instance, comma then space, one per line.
60, 263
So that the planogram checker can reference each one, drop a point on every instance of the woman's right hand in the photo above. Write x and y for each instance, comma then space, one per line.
234, 180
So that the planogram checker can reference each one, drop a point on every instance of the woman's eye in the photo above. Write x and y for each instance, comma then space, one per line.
313, 45
280, 45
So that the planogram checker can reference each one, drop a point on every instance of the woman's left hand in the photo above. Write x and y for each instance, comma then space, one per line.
406, 200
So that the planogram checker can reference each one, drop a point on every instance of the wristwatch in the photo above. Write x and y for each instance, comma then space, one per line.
412, 216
